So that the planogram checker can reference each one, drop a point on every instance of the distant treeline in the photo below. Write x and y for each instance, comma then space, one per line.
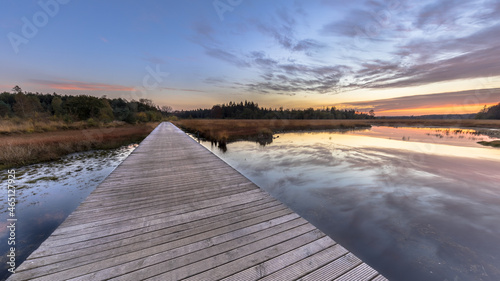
251, 110
27, 105
492, 112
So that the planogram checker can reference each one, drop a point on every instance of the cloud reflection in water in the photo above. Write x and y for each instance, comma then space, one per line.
421, 210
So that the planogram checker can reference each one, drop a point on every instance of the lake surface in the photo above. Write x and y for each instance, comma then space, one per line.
47, 193
415, 203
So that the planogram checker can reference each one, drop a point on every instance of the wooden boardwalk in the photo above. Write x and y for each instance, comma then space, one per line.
175, 211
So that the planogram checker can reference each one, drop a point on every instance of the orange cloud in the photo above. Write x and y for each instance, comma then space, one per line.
443, 109
461, 102
78, 85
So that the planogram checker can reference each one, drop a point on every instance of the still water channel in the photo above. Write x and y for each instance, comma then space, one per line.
415, 203
47, 193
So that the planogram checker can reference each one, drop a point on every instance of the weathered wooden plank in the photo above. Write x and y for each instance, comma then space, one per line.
362, 272
307, 265
148, 240
97, 232
204, 207
150, 206
143, 191
334, 269
379, 278
212, 256
246, 212
140, 264
218, 271
160, 246
173, 210
277, 263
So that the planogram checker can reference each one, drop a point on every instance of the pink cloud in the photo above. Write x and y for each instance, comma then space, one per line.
78, 85
7, 88
183, 90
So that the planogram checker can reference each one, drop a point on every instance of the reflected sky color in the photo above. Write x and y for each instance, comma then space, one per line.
47, 193
427, 208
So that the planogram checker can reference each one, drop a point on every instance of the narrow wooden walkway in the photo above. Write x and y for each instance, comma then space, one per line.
173, 210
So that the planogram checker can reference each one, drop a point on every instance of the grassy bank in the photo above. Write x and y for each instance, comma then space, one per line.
226, 130
17, 149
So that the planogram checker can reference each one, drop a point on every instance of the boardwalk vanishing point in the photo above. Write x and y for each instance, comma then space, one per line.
175, 211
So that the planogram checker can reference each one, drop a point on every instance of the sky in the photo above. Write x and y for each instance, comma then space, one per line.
396, 57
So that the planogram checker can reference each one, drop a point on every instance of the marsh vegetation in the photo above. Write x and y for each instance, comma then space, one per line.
223, 131
227, 130
26, 148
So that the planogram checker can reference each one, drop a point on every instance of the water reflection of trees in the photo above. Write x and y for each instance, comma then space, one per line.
264, 139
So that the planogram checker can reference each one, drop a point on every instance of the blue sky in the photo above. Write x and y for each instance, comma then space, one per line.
380, 55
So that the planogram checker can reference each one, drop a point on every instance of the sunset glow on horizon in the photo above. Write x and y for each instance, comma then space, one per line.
451, 109
393, 57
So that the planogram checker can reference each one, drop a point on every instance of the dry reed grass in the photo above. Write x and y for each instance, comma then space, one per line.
224, 130
23, 149
229, 130
26, 142
17, 125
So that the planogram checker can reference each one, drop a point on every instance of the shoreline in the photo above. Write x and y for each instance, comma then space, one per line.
23, 149
223, 131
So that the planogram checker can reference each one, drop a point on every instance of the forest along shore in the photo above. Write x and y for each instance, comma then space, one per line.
37, 127
23, 148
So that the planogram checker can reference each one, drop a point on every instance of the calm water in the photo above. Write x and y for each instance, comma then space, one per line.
47, 193
416, 204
